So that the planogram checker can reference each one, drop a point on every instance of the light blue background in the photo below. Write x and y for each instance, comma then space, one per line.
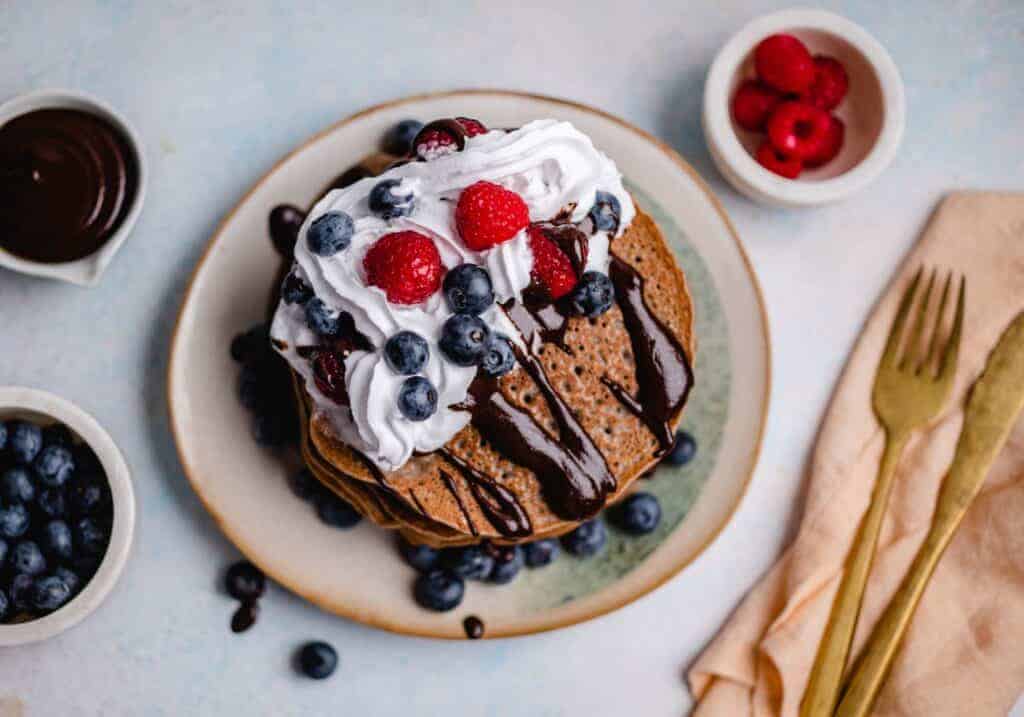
220, 90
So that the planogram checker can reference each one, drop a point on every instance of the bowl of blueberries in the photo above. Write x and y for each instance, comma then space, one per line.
67, 515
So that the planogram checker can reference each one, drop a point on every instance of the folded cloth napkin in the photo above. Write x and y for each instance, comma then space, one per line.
964, 652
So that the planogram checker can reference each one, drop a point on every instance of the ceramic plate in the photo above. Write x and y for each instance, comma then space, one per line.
357, 573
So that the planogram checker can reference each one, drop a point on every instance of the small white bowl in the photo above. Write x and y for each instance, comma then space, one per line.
874, 110
43, 407
87, 270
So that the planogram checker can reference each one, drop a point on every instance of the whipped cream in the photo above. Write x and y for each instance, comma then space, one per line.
555, 169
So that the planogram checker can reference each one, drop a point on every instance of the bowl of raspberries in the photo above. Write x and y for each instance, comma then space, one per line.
801, 108
67, 515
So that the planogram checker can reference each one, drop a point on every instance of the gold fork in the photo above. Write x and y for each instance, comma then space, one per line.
909, 392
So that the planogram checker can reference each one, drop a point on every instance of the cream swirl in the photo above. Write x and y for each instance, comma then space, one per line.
555, 169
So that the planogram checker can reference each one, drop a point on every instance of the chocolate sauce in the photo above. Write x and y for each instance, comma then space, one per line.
449, 483
497, 502
68, 178
284, 223
538, 316
663, 372
474, 627
245, 616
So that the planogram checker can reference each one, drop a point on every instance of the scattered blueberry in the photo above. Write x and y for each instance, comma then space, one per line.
388, 201
57, 434
417, 398
50, 593
28, 558
498, 358
330, 233
269, 429
56, 539
14, 520
20, 592
90, 538
24, 441
318, 660
16, 485
606, 212
87, 496
638, 514
421, 557
508, 561
587, 539
5, 605
321, 319
683, 451
472, 562
438, 590
335, 511
464, 339
294, 290
406, 353
51, 502
3, 551
468, 289
398, 139
244, 581
68, 576
541, 552
303, 484
593, 295
54, 465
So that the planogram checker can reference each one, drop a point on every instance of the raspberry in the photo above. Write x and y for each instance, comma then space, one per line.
830, 83
769, 157
433, 143
784, 63
473, 127
797, 129
830, 146
551, 267
488, 214
752, 104
405, 265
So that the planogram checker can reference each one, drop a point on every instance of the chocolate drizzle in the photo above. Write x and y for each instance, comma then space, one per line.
538, 316
663, 372
449, 483
497, 502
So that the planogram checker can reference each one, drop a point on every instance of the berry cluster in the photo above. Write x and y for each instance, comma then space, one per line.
792, 101
55, 518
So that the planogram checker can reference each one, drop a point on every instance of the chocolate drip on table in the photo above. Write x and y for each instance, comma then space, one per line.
498, 503
663, 372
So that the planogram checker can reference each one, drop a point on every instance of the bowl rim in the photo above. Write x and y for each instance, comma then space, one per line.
736, 163
88, 270
14, 399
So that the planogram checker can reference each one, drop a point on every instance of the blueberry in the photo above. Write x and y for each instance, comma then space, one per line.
50, 593
406, 353
303, 484
606, 212
498, 358
587, 539
683, 451
317, 660
335, 511
541, 552
269, 429
28, 558
438, 590
3, 436
244, 581
638, 514
54, 465
417, 398
69, 577
90, 537
593, 295
398, 139
57, 434
56, 540
16, 485
14, 520
294, 290
464, 339
88, 496
86, 461
422, 558
321, 319
468, 289
330, 233
508, 561
3, 552
5, 605
86, 565
21, 592
24, 441
389, 201
472, 562
52, 502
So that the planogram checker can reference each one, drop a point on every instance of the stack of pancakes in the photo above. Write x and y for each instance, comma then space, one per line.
431, 499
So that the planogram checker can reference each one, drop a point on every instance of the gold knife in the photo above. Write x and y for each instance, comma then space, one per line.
995, 402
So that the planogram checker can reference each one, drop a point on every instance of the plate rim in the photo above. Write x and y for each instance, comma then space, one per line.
652, 583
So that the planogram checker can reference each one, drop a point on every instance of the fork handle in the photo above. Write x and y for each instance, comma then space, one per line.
822, 691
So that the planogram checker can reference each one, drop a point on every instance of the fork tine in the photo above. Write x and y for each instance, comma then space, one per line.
892, 345
912, 350
934, 341
947, 367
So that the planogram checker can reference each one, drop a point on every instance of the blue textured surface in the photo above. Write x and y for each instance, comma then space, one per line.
219, 91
